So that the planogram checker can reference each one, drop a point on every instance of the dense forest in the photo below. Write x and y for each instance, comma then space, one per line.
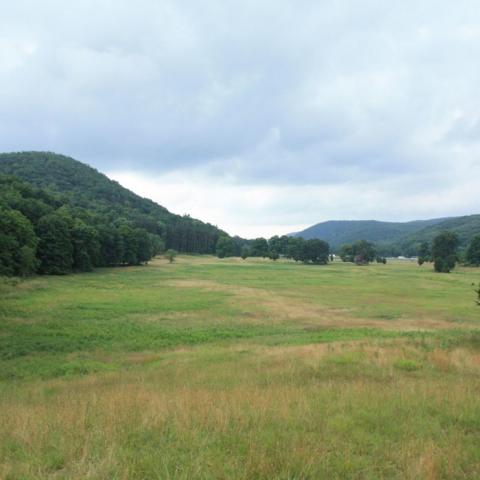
59, 215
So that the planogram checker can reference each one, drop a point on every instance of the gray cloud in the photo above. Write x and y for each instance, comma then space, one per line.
363, 94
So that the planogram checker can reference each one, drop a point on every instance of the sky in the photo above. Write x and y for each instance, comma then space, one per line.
262, 117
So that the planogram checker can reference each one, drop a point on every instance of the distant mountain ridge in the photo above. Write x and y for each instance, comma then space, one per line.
400, 238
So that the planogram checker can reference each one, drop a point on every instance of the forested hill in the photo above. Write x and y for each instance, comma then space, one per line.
58, 215
83, 186
392, 238
339, 232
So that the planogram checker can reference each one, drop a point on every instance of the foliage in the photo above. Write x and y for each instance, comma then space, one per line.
361, 252
98, 222
55, 180
55, 249
273, 255
314, 250
259, 248
226, 247
444, 251
346, 253
472, 255
424, 253
279, 244
170, 255
18, 244
394, 238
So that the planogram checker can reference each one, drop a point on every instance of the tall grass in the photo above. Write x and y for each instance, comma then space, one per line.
221, 369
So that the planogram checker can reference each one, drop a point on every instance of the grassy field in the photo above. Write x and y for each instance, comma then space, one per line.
234, 369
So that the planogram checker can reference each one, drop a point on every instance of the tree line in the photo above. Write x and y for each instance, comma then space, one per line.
307, 251
444, 252
44, 232
40, 233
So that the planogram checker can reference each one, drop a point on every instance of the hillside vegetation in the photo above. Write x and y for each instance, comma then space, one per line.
235, 369
60, 215
392, 238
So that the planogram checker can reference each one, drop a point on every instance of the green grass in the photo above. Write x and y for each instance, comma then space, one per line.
228, 369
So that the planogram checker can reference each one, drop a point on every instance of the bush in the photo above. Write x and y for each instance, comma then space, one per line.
170, 255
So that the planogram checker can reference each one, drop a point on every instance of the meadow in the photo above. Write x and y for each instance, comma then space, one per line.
232, 369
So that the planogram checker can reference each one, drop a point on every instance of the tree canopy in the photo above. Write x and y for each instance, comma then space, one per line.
444, 251
226, 247
361, 252
473, 252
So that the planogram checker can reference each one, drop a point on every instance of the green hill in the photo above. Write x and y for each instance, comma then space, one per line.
58, 215
465, 227
83, 186
392, 238
339, 232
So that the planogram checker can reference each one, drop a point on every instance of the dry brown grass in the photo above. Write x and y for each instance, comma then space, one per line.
265, 305
278, 409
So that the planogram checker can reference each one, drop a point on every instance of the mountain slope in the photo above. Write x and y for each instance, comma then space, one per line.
466, 227
85, 187
392, 238
338, 232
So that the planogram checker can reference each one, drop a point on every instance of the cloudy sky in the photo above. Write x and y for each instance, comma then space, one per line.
262, 117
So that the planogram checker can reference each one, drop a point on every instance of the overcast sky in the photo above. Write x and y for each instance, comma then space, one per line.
262, 117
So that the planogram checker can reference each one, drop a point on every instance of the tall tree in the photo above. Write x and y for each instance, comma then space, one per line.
226, 247
144, 245
316, 251
364, 252
259, 248
279, 244
18, 244
444, 251
424, 253
346, 253
361, 252
55, 250
86, 246
295, 248
473, 251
